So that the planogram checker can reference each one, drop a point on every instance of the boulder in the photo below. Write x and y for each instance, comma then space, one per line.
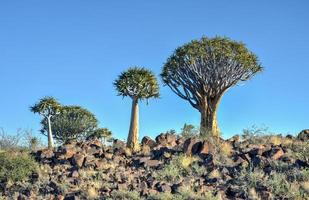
68, 151
46, 153
78, 160
166, 139
161, 153
163, 187
192, 146
147, 141
303, 135
152, 163
74, 174
274, 153
118, 143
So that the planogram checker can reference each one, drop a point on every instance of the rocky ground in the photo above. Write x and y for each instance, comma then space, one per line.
171, 167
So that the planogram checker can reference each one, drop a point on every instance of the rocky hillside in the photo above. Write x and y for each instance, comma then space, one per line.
171, 167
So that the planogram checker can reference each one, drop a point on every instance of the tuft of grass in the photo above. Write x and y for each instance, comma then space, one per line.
125, 195
178, 167
16, 166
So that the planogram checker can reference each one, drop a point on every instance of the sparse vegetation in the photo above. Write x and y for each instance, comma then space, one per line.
16, 166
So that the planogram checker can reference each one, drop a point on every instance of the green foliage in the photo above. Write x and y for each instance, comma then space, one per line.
47, 106
299, 150
212, 49
188, 131
74, 122
280, 187
178, 167
137, 82
16, 166
104, 133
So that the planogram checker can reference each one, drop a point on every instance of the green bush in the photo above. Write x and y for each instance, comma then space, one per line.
178, 167
16, 166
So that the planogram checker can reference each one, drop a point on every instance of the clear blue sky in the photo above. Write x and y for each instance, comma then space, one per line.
74, 50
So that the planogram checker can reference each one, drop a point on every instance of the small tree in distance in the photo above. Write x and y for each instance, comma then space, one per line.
47, 107
203, 70
102, 133
74, 122
137, 83
188, 131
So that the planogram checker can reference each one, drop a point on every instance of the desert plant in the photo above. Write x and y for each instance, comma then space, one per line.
10, 141
203, 70
138, 84
281, 188
188, 131
104, 133
16, 166
178, 167
74, 122
125, 195
48, 107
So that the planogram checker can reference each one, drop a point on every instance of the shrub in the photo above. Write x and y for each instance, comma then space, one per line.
280, 187
16, 166
179, 166
10, 141
102, 133
189, 131
299, 150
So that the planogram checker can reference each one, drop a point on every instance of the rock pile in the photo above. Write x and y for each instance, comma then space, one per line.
90, 170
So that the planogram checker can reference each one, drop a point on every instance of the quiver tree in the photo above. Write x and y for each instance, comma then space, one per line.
73, 123
48, 107
138, 84
203, 70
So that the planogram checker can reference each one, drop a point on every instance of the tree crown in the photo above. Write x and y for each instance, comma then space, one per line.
209, 66
74, 122
137, 82
102, 133
47, 106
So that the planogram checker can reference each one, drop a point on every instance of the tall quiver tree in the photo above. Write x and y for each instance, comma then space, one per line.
139, 84
203, 70
47, 107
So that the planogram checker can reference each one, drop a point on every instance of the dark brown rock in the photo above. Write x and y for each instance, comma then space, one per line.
164, 188
152, 163
118, 143
74, 174
46, 153
274, 153
148, 141
191, 146
303, 135
78, 160
166, 139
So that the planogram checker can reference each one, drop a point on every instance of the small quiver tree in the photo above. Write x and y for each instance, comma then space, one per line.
47, 107
137, 83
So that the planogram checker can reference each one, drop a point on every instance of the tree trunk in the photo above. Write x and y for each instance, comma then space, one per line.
132, 141
209, 124
50, 134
